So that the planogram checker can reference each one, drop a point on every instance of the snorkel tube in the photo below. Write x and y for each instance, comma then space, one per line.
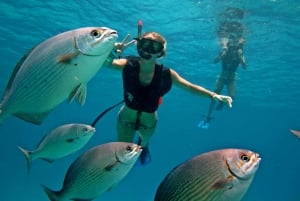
140, 26
139, 36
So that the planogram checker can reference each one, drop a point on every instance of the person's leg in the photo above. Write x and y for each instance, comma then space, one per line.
125, 131
144, 139
231, 89
126, 125
145, 136
231, 92
146, 131
219, 88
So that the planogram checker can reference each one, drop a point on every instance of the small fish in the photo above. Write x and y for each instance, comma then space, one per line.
56, 70
96, 171
296, 133
220, 175
60, 142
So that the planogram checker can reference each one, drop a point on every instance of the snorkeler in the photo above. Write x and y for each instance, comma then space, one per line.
231, 55
145, 82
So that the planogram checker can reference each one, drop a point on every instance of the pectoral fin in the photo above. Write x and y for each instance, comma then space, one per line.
70, 140
111, 166
79, 93
223, 183
66, 58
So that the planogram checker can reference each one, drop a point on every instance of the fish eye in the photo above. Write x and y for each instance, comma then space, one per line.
129, 148
96, 33
85, 130
245, 157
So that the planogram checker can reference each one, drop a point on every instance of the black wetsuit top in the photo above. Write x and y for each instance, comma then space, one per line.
144, 98
231, 59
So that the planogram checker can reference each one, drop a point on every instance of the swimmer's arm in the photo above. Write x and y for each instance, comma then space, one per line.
116, 64
198, 90
188, 86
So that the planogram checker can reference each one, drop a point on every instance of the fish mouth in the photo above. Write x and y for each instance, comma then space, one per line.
137, 148
257, 160
92, 130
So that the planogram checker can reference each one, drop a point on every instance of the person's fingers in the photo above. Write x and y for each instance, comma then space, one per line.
125, 39
129, 43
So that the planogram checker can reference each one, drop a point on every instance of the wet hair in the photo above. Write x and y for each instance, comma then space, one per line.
156, 36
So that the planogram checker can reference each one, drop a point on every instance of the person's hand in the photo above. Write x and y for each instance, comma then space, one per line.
225, 99
120, 46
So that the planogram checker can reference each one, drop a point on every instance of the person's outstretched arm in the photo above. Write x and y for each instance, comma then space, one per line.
198, 90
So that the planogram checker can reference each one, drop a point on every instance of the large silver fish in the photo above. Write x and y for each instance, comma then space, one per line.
60, 142
55, 70
220, 175
96, 171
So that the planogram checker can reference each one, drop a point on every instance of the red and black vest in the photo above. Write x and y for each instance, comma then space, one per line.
144, 98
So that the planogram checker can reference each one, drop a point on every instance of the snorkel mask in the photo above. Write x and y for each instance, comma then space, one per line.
146, 46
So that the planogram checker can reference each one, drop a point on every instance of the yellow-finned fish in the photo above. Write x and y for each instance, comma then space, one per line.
219, 175
96, 171
62, 141
57, 69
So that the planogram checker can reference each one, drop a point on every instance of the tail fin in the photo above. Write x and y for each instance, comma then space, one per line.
52, 195
28, 158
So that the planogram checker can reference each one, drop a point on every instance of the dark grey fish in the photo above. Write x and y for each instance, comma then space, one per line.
96, 171
220, 175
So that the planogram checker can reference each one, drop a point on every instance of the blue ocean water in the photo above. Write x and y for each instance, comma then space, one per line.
265, 108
